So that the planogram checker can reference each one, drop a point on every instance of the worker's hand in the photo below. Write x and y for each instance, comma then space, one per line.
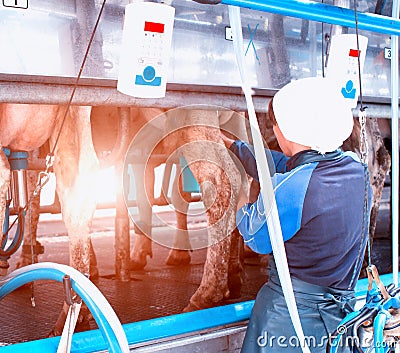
227, 141
242, 198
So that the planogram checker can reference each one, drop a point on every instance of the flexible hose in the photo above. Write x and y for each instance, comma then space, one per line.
379, 326
342, 328
18, 237
368, 316
101, 310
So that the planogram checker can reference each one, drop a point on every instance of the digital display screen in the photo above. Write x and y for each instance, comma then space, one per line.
154, 27
353, 53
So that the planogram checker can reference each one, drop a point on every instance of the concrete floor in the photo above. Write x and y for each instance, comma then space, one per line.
156, 291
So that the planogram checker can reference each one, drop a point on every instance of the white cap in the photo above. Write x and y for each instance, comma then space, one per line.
312, 112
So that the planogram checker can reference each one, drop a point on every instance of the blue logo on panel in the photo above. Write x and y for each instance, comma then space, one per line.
148, 78
349, 91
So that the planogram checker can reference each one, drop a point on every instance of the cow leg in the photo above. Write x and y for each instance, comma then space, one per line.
220, 182
122, 232
143, 227
236, 265
75, 166
236, 125
4, 184
179, 254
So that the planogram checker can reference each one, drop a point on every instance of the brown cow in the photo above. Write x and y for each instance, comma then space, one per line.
192, 133
26, 127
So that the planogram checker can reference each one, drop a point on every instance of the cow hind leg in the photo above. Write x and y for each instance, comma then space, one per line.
143, 227
220, 183
236, 265
180, 253
76, 166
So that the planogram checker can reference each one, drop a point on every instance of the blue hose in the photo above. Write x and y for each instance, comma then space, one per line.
334, 345
379, 325
102, 312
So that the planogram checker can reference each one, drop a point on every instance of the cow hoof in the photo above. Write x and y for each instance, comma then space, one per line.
26, 260
30, 254
139, 263
234, 293
248, 253
178, 258
55, 332
94, 274
191, 307
235, 283
82, 324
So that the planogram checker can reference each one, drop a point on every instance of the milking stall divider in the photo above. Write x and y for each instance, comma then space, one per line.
179, 330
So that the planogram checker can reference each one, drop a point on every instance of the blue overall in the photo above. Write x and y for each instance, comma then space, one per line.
320, 200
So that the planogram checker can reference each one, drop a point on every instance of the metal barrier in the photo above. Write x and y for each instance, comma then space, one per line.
321, 12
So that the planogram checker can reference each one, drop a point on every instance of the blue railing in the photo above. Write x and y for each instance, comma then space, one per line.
315, 11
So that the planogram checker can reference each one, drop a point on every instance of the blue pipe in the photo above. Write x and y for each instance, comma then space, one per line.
48, 274
148, 330
178, 324
379, 325
315, 11
37, 273
334, 344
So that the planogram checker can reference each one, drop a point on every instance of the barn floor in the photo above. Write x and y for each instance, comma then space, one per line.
156, 291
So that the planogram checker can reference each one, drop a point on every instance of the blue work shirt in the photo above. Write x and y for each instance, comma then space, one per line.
320, 201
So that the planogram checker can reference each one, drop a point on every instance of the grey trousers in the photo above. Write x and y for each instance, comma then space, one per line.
321, 310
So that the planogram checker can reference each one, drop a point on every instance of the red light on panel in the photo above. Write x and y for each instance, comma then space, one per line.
354, 53
154, 27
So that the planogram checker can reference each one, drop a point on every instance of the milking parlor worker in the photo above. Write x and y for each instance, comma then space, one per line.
319, 190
